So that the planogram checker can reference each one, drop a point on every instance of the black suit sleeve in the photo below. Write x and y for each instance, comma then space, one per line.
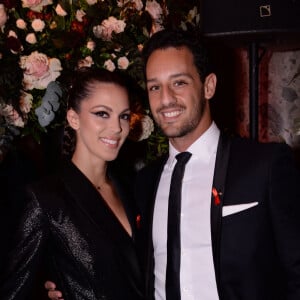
285, 216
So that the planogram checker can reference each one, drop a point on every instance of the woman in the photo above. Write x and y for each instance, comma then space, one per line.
81, 221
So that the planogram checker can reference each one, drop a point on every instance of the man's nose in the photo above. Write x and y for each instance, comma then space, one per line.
167, 95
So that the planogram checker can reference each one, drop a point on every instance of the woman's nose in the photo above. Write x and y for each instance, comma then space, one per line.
116, 125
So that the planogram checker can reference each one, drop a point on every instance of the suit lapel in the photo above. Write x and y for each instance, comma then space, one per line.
153, 179
221, 166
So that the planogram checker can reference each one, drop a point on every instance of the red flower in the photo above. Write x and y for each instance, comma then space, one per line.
138, 221
9, 3
47, 17
215, 193
13, 44
78, 27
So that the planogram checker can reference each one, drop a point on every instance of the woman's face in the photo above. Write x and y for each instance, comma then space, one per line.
102, 123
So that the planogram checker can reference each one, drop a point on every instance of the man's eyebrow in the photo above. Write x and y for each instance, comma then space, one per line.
174, 76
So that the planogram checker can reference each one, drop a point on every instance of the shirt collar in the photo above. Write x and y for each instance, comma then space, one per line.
205, 146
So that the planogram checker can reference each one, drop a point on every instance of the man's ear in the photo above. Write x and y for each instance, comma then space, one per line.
210, 84
73, 119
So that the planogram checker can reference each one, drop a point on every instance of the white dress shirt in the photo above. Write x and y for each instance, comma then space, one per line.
197, 274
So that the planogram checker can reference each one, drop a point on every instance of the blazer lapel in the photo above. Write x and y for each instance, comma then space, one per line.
89, 202
220, 172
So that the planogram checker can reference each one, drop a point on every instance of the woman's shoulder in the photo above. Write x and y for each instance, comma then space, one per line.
47, 190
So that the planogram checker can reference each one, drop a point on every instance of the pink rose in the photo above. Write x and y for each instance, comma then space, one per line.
107, 27
21, 24
26, 102
60, 11
123, 63
31, 38
36, 5
30, 3
39, 70
154, 9
109, 65
38, 25
37, 64
12, 116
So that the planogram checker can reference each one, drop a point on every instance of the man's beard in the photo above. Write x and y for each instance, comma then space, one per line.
191, 124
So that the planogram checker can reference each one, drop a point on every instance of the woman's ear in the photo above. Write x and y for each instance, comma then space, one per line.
210, 84
73, 119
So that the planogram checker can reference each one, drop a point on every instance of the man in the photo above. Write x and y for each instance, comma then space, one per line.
240, 209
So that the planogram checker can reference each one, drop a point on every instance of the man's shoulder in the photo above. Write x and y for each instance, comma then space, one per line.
251, 144
248, 149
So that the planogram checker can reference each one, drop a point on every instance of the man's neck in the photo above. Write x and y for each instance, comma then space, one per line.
183, 143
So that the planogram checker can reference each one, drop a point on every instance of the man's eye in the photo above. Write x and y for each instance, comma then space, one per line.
101, 114
179, 83
125, 117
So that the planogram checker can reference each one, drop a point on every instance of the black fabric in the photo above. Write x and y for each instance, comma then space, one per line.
173, 242
66, 224
263, 240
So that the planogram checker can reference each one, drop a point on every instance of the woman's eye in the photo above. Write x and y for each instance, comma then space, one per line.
125, 117
102, 114
153, 88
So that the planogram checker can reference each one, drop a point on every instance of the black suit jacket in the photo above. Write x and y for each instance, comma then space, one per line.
256, 251
67, 224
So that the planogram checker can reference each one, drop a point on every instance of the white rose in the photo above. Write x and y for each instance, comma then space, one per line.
147, 127
79, 15
109, 65
138, 4
156, 26
91, 2
21, 24
31, 38
140, 47
12, 33
104, 31
121, 3
123, 63
60, 11
26, 102
154, 9
38, 25
36, 5
12, 116
91, 45
118, 25
86, 62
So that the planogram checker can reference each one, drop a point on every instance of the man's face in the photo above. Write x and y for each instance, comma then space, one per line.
176, 94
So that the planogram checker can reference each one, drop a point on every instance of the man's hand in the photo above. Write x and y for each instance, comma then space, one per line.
52, 293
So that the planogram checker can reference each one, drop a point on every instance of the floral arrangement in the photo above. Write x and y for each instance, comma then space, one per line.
43, 41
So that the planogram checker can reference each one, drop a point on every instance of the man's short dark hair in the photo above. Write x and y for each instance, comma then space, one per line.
177, 38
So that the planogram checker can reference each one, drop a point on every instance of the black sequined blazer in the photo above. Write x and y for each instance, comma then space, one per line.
67, 224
